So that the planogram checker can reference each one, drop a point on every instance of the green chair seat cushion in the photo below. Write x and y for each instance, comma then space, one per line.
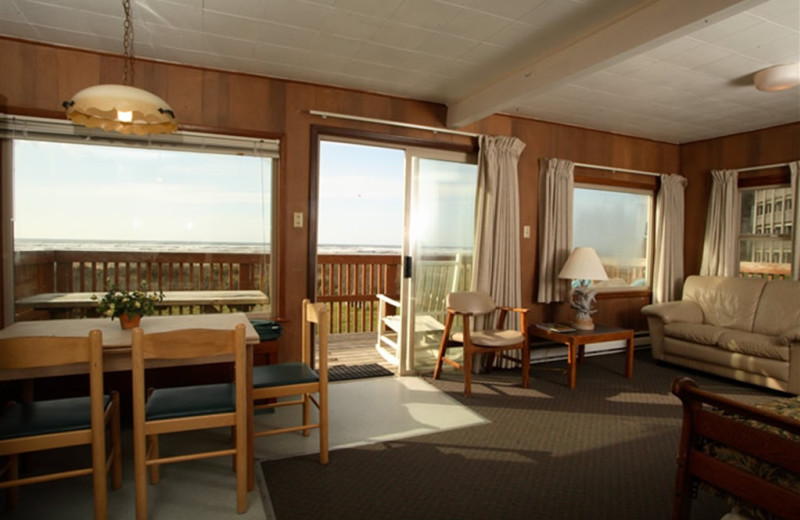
283, 374
190, 401
43, 417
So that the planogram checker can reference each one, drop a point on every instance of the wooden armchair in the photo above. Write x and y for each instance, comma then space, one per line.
491, 341
60, 423
171, 410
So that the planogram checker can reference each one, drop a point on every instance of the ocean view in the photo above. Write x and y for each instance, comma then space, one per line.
188, 247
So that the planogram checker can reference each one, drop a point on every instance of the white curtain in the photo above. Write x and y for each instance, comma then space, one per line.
555, 226
668, 262
721, 246
794, 168
496, 261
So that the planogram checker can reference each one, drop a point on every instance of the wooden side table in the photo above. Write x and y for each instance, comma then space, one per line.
576, 341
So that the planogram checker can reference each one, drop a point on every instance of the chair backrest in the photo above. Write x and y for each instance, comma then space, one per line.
470, 302
188, 344
42, 352
315, 315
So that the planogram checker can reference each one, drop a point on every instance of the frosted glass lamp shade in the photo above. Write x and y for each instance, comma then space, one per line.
779, 77
121, 108
583, 264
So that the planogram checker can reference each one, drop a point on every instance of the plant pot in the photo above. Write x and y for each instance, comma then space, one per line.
127, 321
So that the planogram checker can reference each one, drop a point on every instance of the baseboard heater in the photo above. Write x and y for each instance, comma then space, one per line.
544, 351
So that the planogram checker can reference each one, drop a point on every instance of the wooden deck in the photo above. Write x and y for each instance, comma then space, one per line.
355, 349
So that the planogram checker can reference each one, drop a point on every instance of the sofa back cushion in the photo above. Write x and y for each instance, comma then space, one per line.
779, 308
726, 301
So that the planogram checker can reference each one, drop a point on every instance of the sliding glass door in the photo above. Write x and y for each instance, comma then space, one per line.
394, 224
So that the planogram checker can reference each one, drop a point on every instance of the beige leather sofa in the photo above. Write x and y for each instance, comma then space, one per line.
743, 328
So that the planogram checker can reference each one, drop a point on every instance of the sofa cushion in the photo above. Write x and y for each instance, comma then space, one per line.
726, 301
779, 308
694, 332
752, 344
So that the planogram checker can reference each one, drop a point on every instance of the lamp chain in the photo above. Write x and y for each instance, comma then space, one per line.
127, 45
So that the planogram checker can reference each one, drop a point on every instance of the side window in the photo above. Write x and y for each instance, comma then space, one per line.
765, 237
617, 223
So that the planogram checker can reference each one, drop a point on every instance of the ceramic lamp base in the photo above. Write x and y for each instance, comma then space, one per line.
583, 324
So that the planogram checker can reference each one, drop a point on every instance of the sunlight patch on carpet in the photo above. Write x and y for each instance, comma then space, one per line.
367, 411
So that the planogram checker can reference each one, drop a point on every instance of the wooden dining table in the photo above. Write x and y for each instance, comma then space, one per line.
117, 350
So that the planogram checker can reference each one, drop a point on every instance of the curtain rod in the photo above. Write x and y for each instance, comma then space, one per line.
609, 168
390, 123
765, 167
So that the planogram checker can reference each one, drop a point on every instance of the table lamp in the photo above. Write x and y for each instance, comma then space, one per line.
583, 264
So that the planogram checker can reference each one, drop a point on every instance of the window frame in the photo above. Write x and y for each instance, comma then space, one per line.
43, 129
764, 226
635, 188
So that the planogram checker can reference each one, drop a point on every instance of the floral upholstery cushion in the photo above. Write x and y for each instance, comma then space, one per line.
789, 407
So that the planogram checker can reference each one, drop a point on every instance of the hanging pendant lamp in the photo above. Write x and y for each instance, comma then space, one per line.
122, 108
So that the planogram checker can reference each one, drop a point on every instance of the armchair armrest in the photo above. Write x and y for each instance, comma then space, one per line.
388, 300
501, 318
668, 312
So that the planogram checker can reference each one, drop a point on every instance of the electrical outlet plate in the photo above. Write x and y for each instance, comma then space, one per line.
298, 219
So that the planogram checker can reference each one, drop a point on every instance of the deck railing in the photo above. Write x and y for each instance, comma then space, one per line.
87, 271
765, 270
347, 284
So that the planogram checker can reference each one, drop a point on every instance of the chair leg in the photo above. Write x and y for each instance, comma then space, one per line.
116, 444
526, 365
467, 371
306, 414
153, 454
12, 470
140, 471
323, 426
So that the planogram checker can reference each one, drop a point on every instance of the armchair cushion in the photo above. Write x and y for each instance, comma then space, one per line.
492, 338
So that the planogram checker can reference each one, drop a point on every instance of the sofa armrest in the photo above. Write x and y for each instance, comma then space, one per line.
669, 312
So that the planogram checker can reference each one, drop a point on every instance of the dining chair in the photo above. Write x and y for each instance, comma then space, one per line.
495, 342
188, 408
65, 422
298, 381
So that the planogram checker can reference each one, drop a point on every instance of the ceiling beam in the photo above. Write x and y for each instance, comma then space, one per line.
643, 28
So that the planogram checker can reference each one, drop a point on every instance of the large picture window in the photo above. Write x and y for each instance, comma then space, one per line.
617, 223
181, 219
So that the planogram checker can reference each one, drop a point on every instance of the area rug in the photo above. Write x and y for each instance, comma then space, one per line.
603, 450
348, 372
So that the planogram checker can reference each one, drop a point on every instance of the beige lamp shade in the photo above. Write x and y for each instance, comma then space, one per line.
121, 108
583, 264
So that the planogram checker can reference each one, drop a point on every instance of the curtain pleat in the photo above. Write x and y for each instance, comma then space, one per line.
555, 226
721, 245
794, 168
668, 262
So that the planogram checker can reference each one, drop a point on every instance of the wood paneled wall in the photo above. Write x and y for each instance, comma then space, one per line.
36, 78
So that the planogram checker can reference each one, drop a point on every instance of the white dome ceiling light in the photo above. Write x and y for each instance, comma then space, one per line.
778, 77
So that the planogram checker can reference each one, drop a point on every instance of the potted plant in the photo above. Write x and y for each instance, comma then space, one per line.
129, 306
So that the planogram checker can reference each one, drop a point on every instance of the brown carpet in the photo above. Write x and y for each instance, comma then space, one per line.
604, 450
